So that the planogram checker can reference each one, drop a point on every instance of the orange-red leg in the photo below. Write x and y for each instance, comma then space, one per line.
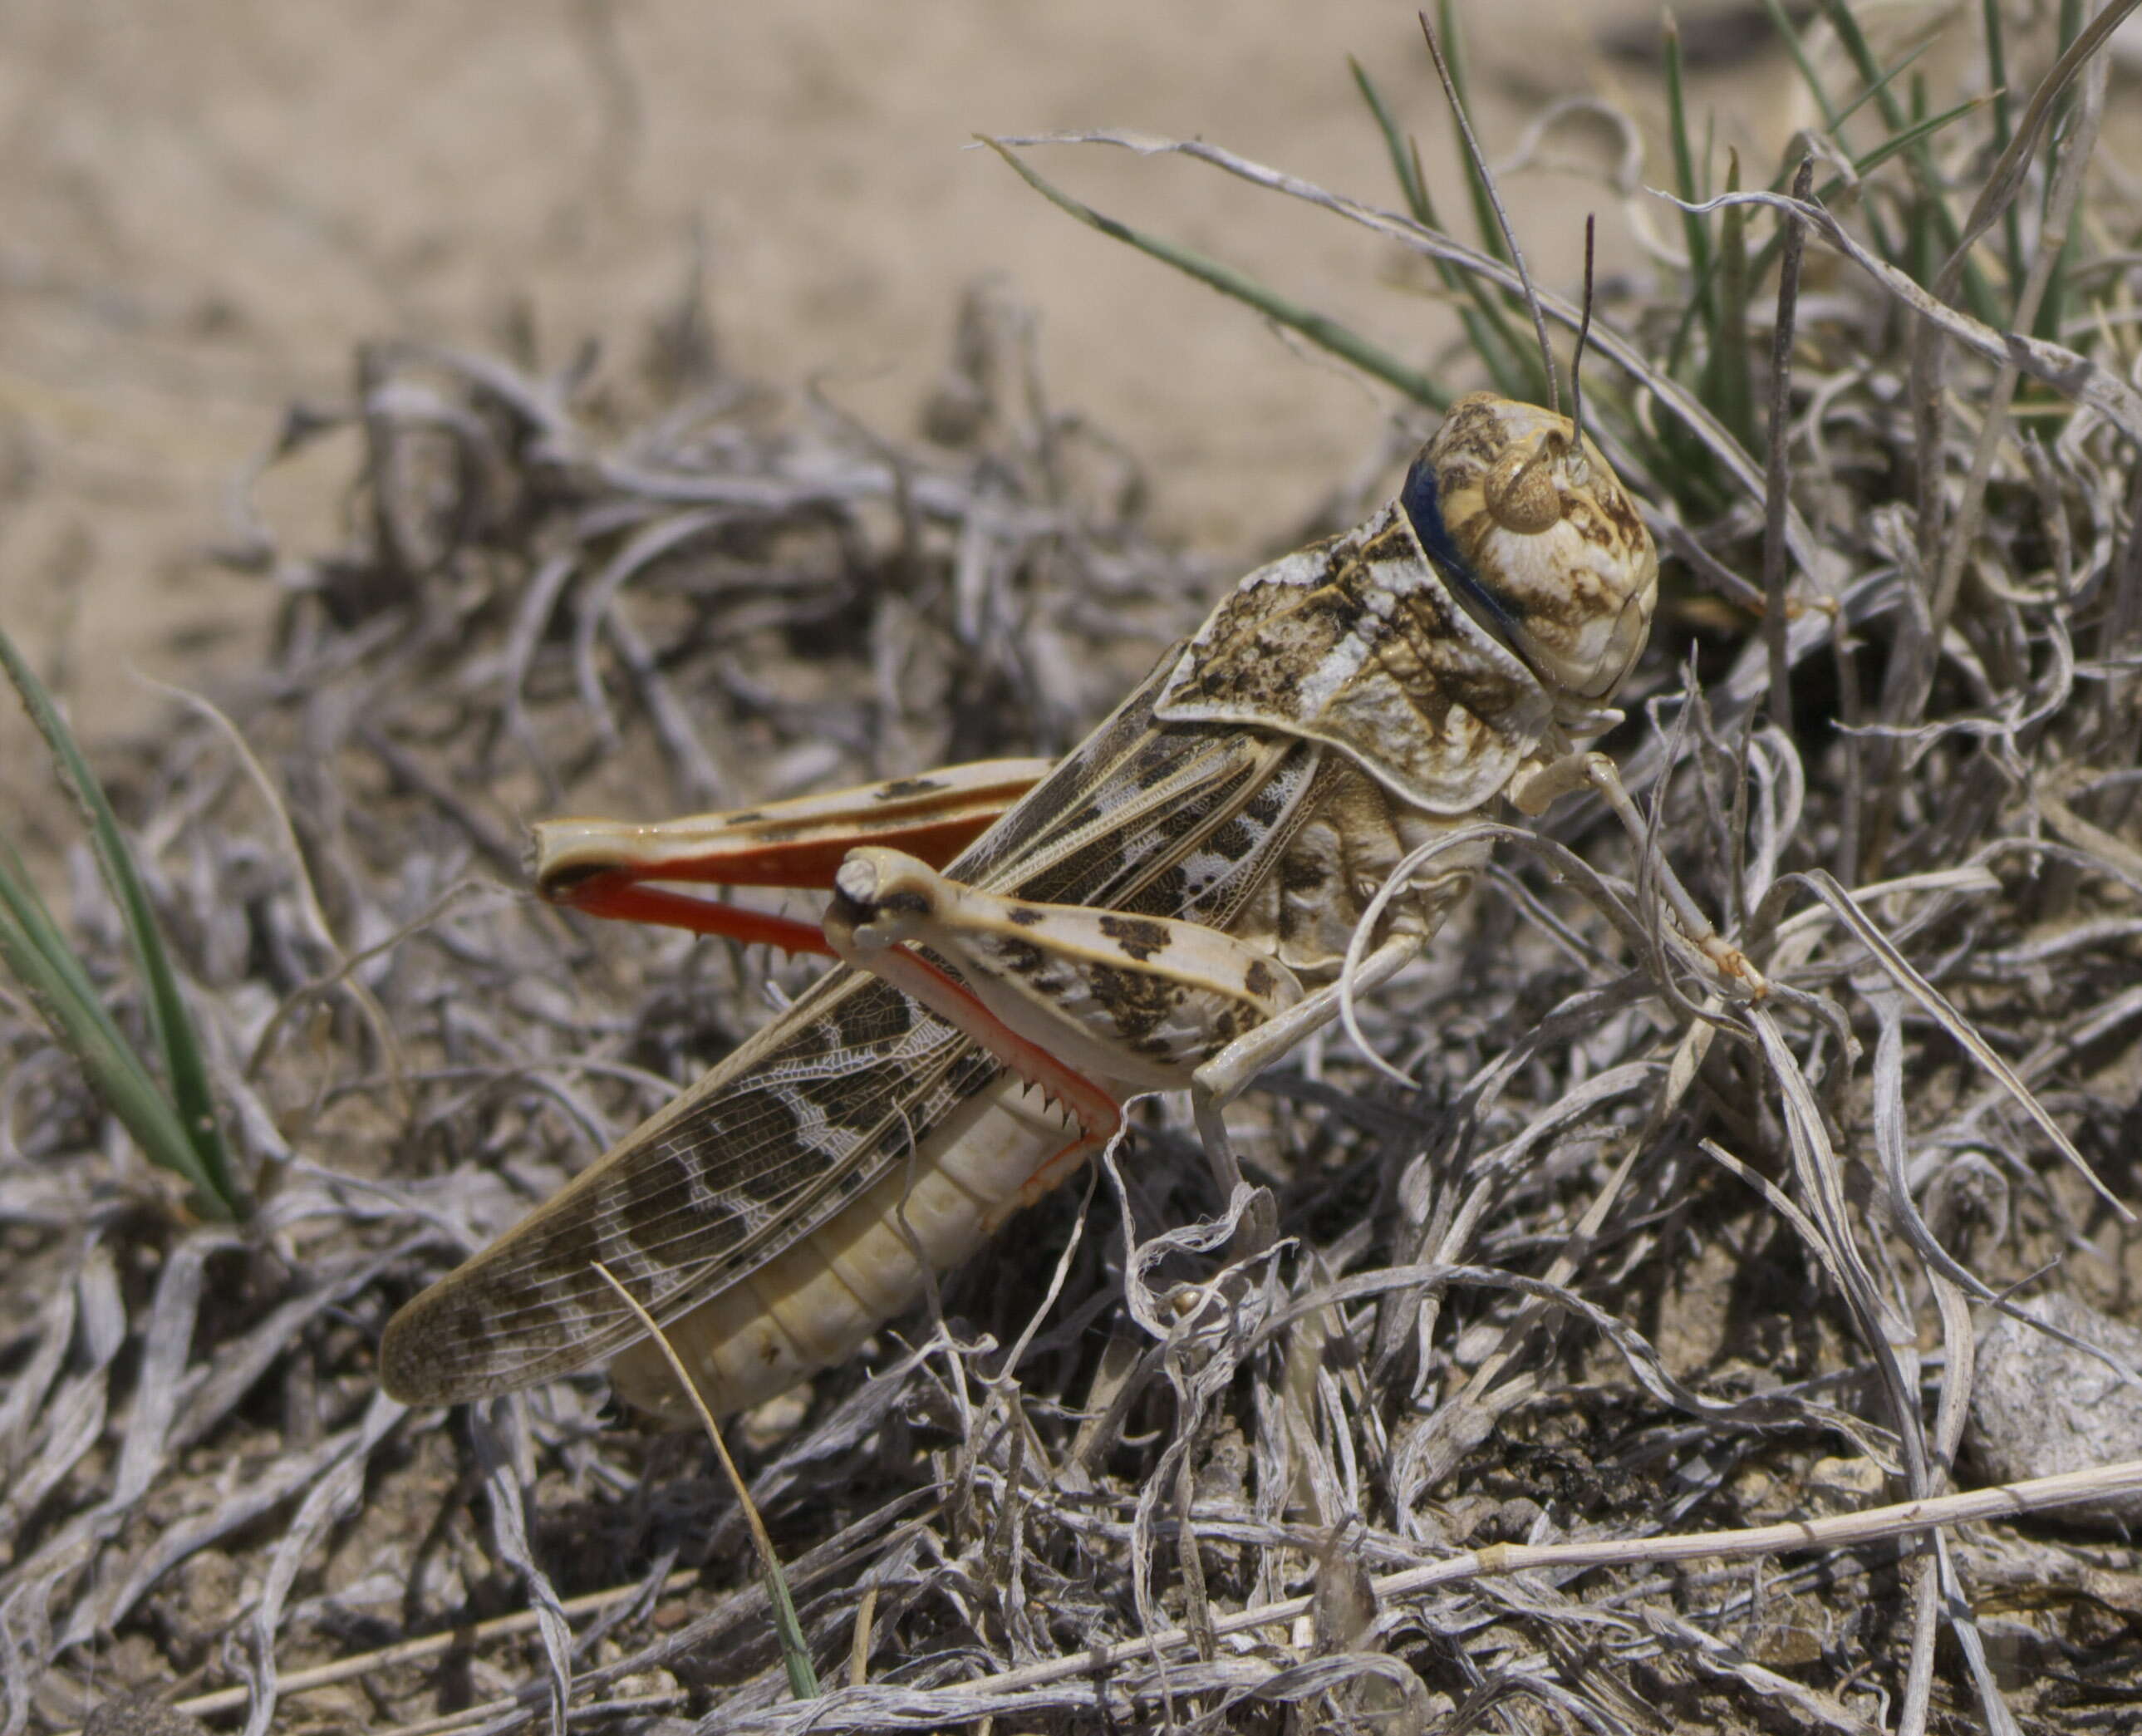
616, 895
602, 867
1095, 1110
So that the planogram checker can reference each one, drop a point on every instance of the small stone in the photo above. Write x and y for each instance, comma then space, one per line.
2039, 1408
1847, 1483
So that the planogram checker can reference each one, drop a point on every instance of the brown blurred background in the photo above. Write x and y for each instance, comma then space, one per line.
211, 205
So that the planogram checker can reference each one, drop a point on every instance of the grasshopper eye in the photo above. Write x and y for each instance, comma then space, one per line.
1538, 539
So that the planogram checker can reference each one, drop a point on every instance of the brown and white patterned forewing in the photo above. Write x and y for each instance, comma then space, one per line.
825, 1104
749, 1160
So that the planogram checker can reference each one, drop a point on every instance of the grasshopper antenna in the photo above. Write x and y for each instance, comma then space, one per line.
1495, 199
1583, 331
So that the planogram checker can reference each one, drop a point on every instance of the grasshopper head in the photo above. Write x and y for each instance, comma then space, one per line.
1538, 539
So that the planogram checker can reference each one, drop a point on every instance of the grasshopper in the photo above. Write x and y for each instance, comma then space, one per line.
1168, 908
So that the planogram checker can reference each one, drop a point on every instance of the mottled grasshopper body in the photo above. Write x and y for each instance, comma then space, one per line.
1169, 908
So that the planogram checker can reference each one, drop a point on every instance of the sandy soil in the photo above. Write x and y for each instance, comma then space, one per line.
211, 205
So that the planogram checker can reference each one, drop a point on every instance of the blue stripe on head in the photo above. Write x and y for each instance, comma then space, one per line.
1421, 498
1423, 501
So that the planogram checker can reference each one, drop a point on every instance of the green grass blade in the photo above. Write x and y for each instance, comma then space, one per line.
2052, 306
1512, 359
1928, 222
1809, 76
26, 907
1492, 241
2003, 134
1405, 163
1916, 134
37, 953
1487, 324
1732, 377
1703, 290
1880, 85
1766, 256
1491, 339
1853, 41
170, 1021
1925, 176
795, 1650
1321, 330
795, 1653
1833, 119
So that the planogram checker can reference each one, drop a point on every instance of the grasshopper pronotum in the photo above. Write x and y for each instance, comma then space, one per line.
1167, 908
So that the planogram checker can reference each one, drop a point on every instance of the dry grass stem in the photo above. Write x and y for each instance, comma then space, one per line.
1624, 1357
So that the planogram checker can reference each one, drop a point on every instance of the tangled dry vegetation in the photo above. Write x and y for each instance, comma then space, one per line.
1635, 1259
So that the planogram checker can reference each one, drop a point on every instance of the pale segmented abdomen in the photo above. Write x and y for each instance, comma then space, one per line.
813, 1306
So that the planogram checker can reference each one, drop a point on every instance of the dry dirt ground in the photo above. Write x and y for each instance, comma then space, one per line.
213, 206
210, 206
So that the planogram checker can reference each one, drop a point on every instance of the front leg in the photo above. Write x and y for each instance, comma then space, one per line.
1538, 784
